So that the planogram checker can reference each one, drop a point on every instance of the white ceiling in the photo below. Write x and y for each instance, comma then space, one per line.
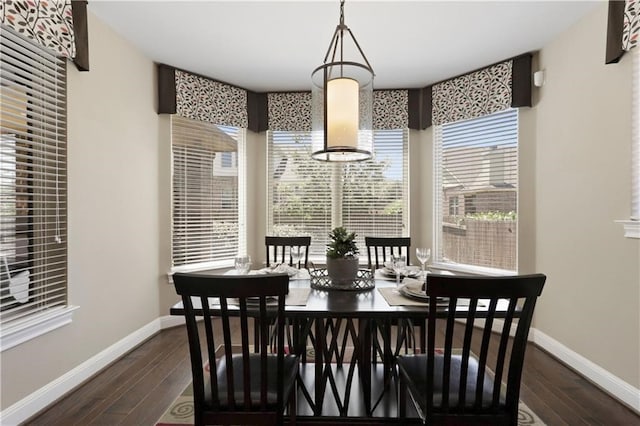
275, 45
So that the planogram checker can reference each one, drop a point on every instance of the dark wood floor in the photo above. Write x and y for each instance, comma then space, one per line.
138, 388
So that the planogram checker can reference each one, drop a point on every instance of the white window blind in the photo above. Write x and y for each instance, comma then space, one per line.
476, 187
299, 190
635, 134
208, 192
309, 197
33, 184
375, 193
632, 225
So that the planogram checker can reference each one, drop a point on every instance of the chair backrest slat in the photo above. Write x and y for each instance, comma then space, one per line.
226, 330
466, 351
196, 357
484, 353
380, 249
211, 346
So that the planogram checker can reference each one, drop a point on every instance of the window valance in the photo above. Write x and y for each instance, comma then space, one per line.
623, 28
390, 109
291, 111
483, 92
201, 98
59, 26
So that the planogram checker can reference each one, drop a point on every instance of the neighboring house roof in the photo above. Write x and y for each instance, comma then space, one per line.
449, 180
489, 172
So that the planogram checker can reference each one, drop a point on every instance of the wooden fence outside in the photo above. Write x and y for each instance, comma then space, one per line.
482, 243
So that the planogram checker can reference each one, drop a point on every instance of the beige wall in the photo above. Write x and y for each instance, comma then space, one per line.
591, 302
420, 189
256, 196
113, 215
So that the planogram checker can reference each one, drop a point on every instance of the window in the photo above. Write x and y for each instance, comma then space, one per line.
226, 159
33, 190
309, 197
477, 161
453, 206
208, 195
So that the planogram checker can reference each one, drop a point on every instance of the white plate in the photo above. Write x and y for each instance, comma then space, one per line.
414, 290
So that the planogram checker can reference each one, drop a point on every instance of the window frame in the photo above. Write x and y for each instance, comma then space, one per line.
240, 164
35, 81
632, 225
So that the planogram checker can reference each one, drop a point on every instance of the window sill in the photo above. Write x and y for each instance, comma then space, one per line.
469, 270
209, 266
35, 326
631, 228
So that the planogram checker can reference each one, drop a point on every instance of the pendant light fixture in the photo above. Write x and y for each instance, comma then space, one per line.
342, 101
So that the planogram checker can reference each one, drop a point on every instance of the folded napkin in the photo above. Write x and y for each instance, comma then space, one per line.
279, 269
417, 286
412, 282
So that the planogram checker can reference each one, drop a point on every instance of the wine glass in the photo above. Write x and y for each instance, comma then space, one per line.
423, 254
399, 264
296, 255
242, 264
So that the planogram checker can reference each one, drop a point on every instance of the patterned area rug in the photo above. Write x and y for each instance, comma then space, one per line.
181, 411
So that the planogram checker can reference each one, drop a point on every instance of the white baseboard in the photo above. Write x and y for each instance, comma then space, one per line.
611, 384
54, 390
169, 321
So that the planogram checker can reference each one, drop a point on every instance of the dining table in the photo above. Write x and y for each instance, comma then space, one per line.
345, 339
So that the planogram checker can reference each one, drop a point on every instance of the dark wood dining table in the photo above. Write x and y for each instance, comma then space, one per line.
343, 376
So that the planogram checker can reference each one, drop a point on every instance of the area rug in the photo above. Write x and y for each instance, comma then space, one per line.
181, 411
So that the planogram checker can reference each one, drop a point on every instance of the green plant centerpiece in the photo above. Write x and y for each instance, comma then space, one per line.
342, 257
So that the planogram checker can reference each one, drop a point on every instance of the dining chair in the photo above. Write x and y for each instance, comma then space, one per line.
278, 247
476, 378
379, 249
238, 385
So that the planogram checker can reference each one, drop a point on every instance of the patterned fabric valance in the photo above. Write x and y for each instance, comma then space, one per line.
49, 23
203, 99
631, 24
390, 109
623, 28
473, 95
207, 100
292, 110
